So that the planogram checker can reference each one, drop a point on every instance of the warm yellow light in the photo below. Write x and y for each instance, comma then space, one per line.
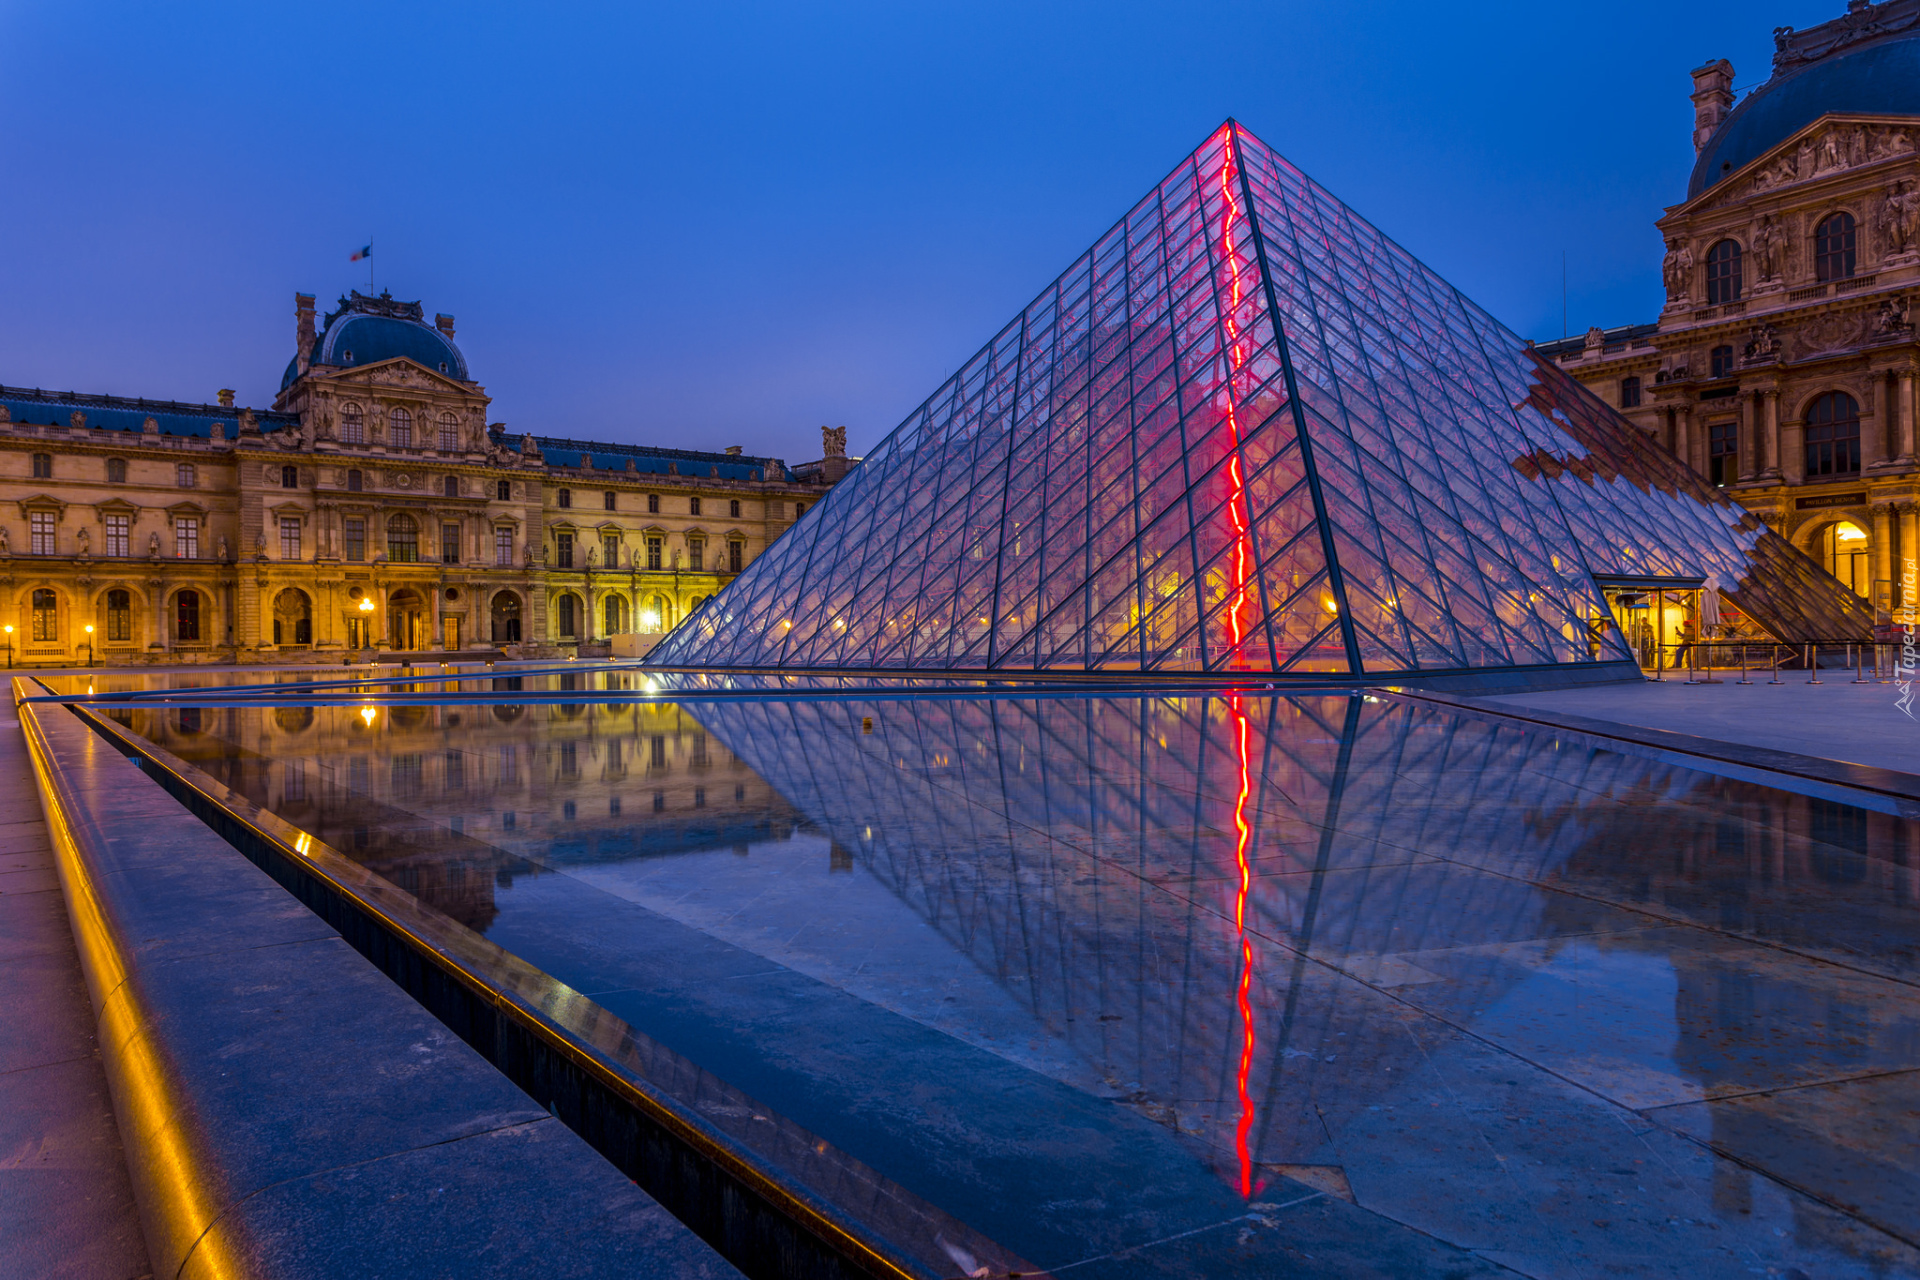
9, 630
366, 604
367, 714
89, 628
649, 620
1847, 531
1330, 606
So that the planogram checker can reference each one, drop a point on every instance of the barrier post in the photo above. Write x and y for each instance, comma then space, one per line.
1813, 662
1775, 646
1743, 663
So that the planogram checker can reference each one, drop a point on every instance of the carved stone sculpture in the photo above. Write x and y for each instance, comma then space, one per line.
833, 442
1677, 270
1900, 222
1763, 343
1892, 321
222, 545
1767, 243
153, 539
5, 548
1595, 344
85, 540
77, 420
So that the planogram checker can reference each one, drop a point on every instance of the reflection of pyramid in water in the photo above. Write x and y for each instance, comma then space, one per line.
1247, 432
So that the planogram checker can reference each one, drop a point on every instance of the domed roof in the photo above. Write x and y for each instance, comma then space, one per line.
1881, 77
368, 330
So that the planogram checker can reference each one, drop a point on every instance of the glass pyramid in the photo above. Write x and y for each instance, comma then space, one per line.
1247, 432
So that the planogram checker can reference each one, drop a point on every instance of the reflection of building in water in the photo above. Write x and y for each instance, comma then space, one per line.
1404, 862
447, 802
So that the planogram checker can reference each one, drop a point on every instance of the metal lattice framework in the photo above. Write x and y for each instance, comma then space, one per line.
1246, 431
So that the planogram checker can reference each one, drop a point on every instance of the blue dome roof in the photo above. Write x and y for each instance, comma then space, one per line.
1880, 78
356, 336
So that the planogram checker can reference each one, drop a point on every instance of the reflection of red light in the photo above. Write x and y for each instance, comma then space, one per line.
1236, 358
1242, 850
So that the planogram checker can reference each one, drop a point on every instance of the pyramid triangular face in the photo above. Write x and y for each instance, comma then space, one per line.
1246, 431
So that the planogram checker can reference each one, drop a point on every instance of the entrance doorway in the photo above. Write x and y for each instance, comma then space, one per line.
450, 628
506, 618
406, 620
1659, 619
1846, 551
292, 617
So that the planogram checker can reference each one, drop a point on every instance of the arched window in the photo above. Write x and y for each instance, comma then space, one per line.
568, 627
565, 498
43, 466
1723, 273
449, 433
1720, 362
46, 615
506, 618
1845, 551
186, 617
403, 539
399, 429
119, 615
1833, 436
355, 482
353, 425
116, 470
289, 477
1833, 247
451, 486
1629, 399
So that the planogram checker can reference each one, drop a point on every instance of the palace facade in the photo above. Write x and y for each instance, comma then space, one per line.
1783, 366
372, 508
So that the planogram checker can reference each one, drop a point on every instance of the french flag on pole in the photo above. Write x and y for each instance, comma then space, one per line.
361, 253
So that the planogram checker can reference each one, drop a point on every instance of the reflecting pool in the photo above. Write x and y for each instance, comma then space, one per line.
1188, 985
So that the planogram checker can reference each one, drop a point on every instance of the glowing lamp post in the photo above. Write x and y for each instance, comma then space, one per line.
9, 630
89, 631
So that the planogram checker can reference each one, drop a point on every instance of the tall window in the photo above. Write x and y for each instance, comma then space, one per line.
289, 537
563, 551
40, 532
1833, 247
653, 504
568, 627
1833, 436
119, 615
565, 498
403, 540
46, 620
399, 428
449, 433
43, 466
733, 504
610, 549
696, 554
503, 546
607, 500
693, 506
1723, 273
353, 425
186, 538
186, 616
450, 486
1629, 399
1847, 554
799, 509
653, 552
1720, 360
289, 477
183, 475
1723, 450
736, 553
503, 490
355, 481
355, 536
119, 534
449, 543
614, 612
116, 470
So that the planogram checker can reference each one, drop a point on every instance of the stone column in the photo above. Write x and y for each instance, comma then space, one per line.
1793, 451
1873, 433
436, 601
1909, 595
1883, 555
1770, 434
1748, 441
157, 588
1905, 415
1683, 434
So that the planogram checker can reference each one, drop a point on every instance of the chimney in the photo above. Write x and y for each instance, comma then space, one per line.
302, 331
226, 397
1712, 98
444, 323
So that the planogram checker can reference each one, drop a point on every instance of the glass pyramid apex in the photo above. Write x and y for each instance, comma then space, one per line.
1246, 431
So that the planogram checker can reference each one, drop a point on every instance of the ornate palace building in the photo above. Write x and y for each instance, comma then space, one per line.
372, 508
1783, 364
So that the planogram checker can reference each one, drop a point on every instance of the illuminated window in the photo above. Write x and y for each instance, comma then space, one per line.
653, 552
119, 615
353, 425
1833, 248
1723, 449
403, 539
503, 490
563, 551
1848, 557
616, 616
610, 549
186, 617
733, 508
116, 470
40, 533
1629, 395
568, 627
564, 498
1720, 361
503, 546
356, 538
183, 475
1723, 273
449, 544
46, 620
119, 534
400, 428
289, 537
186, 538
289, 477
355, 482
1833, 436
449, 433
653, 504
607, 500
43, 466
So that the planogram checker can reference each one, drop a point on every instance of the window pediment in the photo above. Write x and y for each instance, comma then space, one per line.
186, 509
44, 502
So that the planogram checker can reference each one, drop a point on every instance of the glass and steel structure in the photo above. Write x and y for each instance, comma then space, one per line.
1247, 432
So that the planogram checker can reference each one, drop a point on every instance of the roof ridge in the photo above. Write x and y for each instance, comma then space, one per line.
103, 401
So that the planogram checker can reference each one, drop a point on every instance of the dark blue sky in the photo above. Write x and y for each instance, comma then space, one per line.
711, 224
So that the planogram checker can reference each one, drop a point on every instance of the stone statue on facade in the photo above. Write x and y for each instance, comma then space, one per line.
153, 539
1767, 244
6, 548
222, 549
85, 540
1763, 343
77, 420
1677, 270
1596, 341
833, 442
1892, 321
1900, 223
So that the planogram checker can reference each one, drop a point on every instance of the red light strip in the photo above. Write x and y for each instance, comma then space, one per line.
1242, 849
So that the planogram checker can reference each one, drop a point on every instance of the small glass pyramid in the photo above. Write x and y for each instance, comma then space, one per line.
1247, 432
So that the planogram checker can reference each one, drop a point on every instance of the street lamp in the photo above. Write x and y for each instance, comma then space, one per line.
89, 631
9, 630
